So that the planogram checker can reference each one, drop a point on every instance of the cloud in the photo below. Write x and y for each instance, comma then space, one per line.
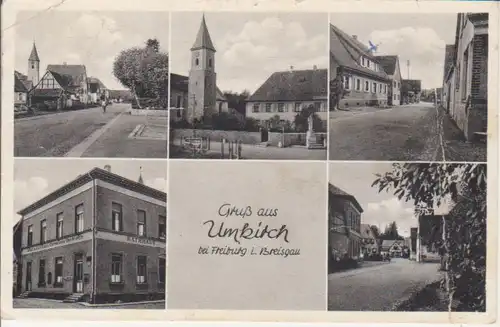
421, 45
28, 191
386, 211
157, 183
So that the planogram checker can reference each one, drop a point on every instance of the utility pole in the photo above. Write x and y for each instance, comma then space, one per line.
408, 66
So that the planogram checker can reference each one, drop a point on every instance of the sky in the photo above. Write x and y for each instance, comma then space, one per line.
34, 179
89, 38
420, 38
252, 46
380, 209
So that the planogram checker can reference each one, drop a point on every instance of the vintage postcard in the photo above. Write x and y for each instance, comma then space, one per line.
297, 161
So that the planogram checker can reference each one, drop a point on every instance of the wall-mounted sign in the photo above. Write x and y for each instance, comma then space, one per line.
53, 244
130, 239
66, 278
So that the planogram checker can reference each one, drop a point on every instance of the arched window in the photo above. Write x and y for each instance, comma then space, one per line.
210, 62
197, 61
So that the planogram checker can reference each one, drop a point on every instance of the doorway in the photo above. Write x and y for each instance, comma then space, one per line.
264, 135
28, 276
78, 274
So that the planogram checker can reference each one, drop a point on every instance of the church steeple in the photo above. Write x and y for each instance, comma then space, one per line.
34, 66
141, 181
203, 40
34, 54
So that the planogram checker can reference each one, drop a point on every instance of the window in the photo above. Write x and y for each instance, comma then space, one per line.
116, 268
79, 218
41, 273
43, 231
281, 107
395, 84
374, 87
297, 107
197, 61
161, 272
141, 223
358, 84
32, 66
347, 85
268, 107
59, 226
116, 216
58, 272
385, 89
30, 235
363, 61
464, 82
255, 107
369, 63
162, 227
367, 86
141, 269
210, 62
380, 88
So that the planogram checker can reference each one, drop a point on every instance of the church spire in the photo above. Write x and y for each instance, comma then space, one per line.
34, 54
203, 40
141, 181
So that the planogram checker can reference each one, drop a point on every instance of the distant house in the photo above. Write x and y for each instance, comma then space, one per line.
123, 95
179, 86
96, 89
63, 86
390, 64
392, 247
466, 78
368, 240
344, 221
20, 92
360, 72
285, 94
411, 90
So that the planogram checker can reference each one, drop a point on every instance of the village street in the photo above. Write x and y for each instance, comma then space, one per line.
415, 132
91, 133
378, 287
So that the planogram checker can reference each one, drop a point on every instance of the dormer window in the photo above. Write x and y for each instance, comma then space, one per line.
363, 61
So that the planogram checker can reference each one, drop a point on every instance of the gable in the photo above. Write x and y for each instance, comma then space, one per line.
48, 81
397, 72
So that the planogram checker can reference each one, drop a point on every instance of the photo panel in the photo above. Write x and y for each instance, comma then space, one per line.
407, 237
408, 86
89, 234
81, 94
247, 236
249, 86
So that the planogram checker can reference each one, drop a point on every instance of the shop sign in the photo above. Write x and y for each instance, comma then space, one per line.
130, 239
57, 243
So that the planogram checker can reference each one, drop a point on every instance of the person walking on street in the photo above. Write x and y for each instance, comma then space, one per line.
103, 104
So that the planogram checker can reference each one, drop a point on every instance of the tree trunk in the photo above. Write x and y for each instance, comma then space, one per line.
447, 265
134, 93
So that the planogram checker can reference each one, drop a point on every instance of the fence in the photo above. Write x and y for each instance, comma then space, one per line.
202, 145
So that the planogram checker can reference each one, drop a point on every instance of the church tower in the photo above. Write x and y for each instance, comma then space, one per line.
202, 78
34, 66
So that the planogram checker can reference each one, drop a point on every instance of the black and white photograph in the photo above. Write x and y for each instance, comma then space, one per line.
89, 234
407, 237
249, 86
98, 89
408, 87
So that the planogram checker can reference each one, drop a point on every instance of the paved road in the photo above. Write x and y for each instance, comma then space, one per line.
377, 288
50, 304
396, 134
86, 133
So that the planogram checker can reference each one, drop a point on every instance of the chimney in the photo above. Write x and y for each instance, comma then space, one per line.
107, 168
355, 37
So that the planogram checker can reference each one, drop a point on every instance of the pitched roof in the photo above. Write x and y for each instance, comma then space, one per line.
73, 75
203, 40
346, 51
448, 59
298, 85
388, 63
334, 190
18, 85
34, 54
24, 79
366, 231
387, 244
95, 80
96, 173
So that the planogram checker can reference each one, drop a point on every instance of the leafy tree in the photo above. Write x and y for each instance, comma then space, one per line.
463, 231
301, 120
391, 232
274, 122
225, 121
375, 231
236, 100
144, 71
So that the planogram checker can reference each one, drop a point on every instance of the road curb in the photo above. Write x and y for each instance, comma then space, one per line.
407, 300
119, 304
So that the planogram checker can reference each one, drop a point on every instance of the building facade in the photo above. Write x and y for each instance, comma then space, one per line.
369, 244
99, 238
466, 81
285, 94
97, 90
20, 92
364, 81
344, 213
390, 64
411, 90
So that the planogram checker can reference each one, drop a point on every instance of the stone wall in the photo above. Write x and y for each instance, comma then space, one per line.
146, 112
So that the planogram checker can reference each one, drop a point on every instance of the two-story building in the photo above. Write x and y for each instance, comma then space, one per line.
466, 79
20, 92
97, 90
390, 64
99, 238
344, 215
285, 94
365, 83
369, 243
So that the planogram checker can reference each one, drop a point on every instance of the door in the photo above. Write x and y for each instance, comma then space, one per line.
28, 276
264, 135
78, 275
